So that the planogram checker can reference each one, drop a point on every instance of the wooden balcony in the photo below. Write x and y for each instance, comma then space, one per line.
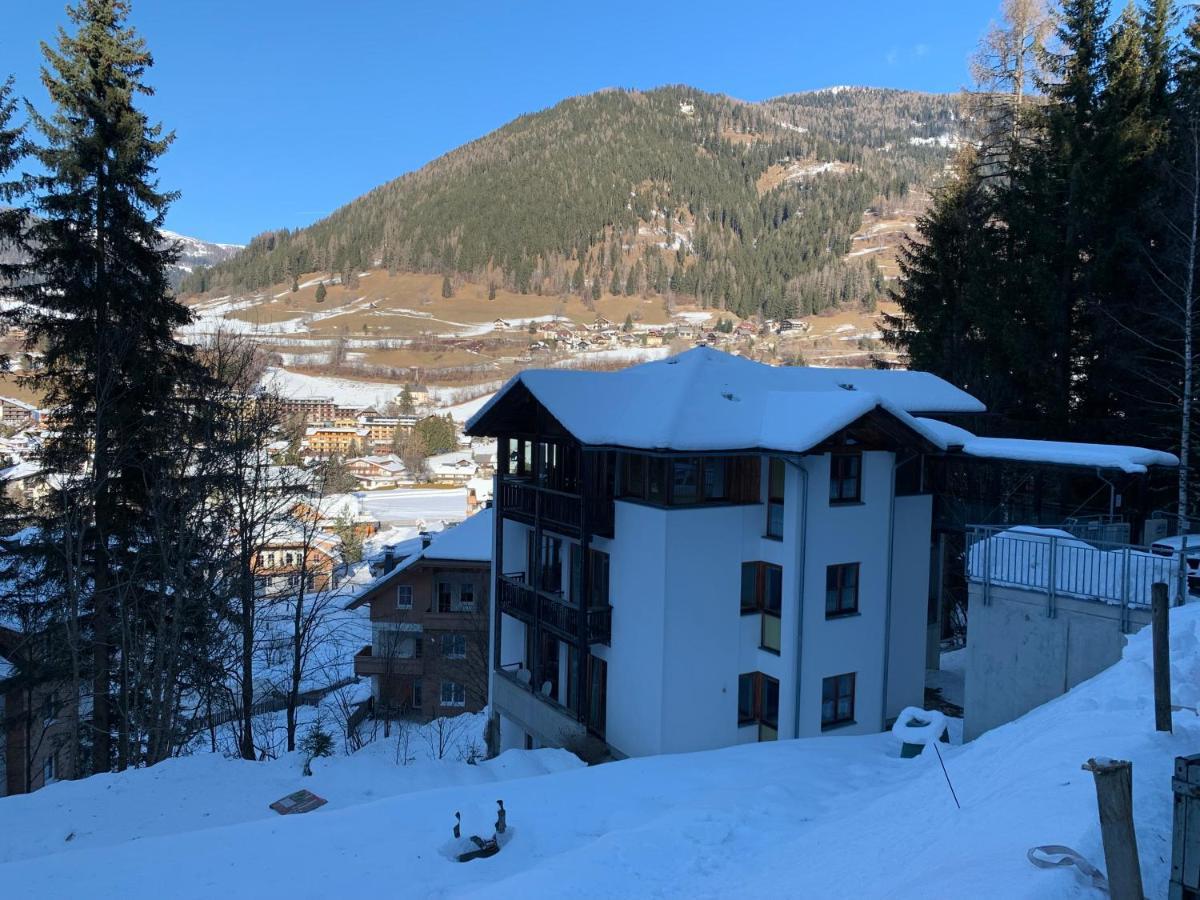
366, 663
526, 502
523, 602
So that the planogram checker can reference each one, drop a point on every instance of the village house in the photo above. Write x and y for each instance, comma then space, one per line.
706, 550
381, 431
17, 413
311, 410
24, 482
38, 719
293, 553
336, 512
324, 441
429, 615
419, 394
455, 467
380, 471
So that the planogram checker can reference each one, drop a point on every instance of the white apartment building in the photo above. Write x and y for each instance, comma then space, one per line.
705, 551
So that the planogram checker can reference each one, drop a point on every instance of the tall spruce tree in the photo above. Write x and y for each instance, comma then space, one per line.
101, 311
12, 218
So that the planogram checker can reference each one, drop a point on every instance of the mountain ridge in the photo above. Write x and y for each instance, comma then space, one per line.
744, 205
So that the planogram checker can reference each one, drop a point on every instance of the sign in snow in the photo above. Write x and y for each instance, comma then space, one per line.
301, 801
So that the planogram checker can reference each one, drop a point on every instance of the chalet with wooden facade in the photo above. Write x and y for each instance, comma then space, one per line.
429, 623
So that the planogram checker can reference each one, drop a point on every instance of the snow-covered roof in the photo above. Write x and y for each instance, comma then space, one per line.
1132, 460
708, 400
24, 469
470, 541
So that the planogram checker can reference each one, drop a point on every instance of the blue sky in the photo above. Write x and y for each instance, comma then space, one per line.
286, 109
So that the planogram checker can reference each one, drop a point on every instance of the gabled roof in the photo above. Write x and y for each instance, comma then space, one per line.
706, 400
470, 541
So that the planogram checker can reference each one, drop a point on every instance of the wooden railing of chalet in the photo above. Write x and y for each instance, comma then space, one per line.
525, 603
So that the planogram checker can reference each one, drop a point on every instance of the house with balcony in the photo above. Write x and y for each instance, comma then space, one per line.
428, 655
705, 550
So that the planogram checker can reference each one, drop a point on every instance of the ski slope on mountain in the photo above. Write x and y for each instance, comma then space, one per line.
824, 817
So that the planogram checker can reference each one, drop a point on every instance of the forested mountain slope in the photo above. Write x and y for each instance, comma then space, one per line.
746, 206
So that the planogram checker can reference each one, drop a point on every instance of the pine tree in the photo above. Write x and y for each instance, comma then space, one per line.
945, 288
491, 290
12, 218
321, 293
102, 311
447, 287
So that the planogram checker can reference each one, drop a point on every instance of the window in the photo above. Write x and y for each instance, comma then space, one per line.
454, 646
49, 709
466, 596
845, 477
841, 590
550, 576
404, 596
453, 694
599, 583
758, 703
50, 768
685, 481
837, 700
418, 693
445, 596
714, 478
747, 698
762, 588
775, 482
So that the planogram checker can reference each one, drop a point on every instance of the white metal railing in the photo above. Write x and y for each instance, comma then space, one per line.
1058, 564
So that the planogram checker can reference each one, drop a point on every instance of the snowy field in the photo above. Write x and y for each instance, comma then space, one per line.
343, 390
824, 817
407, 506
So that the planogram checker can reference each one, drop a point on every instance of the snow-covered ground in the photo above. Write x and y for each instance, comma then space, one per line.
407, 506
460, 412
823, 817
342, 390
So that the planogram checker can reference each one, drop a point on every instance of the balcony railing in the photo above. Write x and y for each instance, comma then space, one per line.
557, 510
367, 663
523, 602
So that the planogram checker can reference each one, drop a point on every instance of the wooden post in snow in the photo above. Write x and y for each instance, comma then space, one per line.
1160, 606
1114, 797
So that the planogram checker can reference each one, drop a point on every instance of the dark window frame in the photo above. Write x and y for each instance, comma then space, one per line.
402, 588
844, 687
762, 572
840, 578
775, 500
845, 467
712, 480
762, 688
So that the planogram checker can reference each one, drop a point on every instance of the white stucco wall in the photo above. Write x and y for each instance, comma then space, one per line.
637, 588
844, 534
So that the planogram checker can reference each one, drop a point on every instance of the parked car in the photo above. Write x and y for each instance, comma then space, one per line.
1170, 546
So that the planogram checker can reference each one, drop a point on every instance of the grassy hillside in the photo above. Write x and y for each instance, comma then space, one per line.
671, 192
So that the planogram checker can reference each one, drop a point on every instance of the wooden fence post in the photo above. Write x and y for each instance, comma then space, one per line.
1160, 605
1114, 797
